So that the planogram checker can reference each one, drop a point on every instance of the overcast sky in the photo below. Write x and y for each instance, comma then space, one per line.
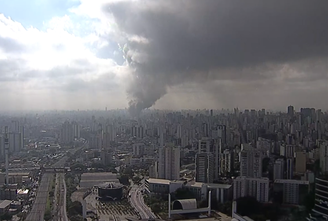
82, 54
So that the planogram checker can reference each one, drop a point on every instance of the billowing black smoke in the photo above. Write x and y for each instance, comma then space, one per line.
178, 41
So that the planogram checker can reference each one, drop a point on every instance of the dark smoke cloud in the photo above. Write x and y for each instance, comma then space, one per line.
173, 42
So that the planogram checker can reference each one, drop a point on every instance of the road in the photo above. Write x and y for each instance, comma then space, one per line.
138, 203
39, 206
59, 209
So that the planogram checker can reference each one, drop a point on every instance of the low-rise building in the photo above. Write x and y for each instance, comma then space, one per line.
293, 191
162, 186
255, 187
4, 206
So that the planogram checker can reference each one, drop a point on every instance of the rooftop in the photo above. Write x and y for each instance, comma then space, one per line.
158, 181
4, 203
163, 181
89, 180
218, 186
195, 184
302, 182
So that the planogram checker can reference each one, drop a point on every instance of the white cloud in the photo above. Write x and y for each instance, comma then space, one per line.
70, 63
37, 65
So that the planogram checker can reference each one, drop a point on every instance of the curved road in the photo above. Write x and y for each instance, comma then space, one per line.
137, 202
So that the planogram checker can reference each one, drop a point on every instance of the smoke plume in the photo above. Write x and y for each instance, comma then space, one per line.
174, 42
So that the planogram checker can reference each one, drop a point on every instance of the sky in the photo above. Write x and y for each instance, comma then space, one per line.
166, 54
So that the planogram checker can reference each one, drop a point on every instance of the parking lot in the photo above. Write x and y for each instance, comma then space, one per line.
112, 210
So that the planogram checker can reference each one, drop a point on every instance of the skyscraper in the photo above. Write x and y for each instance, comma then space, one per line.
204, 167
109, 136
290, 111
293, 191
278, 169
324, 156
208, 145
255, 187
300, 164
225, 162
66, 133
290, 168
169, 162
138, 132
222, 132
251, 163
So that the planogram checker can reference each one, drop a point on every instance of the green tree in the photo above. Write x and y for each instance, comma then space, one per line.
47, 215
75, 209
309, 201
156, 207
6, 216
247, 206
124, 179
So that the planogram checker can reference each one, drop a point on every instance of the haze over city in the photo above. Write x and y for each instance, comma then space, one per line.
72, 54
163, 110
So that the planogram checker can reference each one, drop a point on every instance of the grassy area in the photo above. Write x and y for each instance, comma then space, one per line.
47, 214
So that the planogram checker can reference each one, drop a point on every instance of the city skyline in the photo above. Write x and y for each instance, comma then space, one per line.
73, 54
130, 166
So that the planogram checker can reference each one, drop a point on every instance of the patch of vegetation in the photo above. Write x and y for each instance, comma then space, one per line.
6, 216
158, 204
74, 209
249, 206
47, 214
136, 180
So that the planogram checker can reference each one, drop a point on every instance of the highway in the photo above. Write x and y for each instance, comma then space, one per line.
138, 203
39, 206
60, 198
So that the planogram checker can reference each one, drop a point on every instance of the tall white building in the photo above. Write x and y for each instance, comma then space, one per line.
204, 167
138, 149
255, 187
109, 135
278, 169
15, 142
208, 145
161, 163
222, 133
287, 150
138, 131
179, 131
169, 162
76, 129
291, 189
251, 163
225, 162
67, 133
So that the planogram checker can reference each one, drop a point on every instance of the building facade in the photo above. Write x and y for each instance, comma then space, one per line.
255, 187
